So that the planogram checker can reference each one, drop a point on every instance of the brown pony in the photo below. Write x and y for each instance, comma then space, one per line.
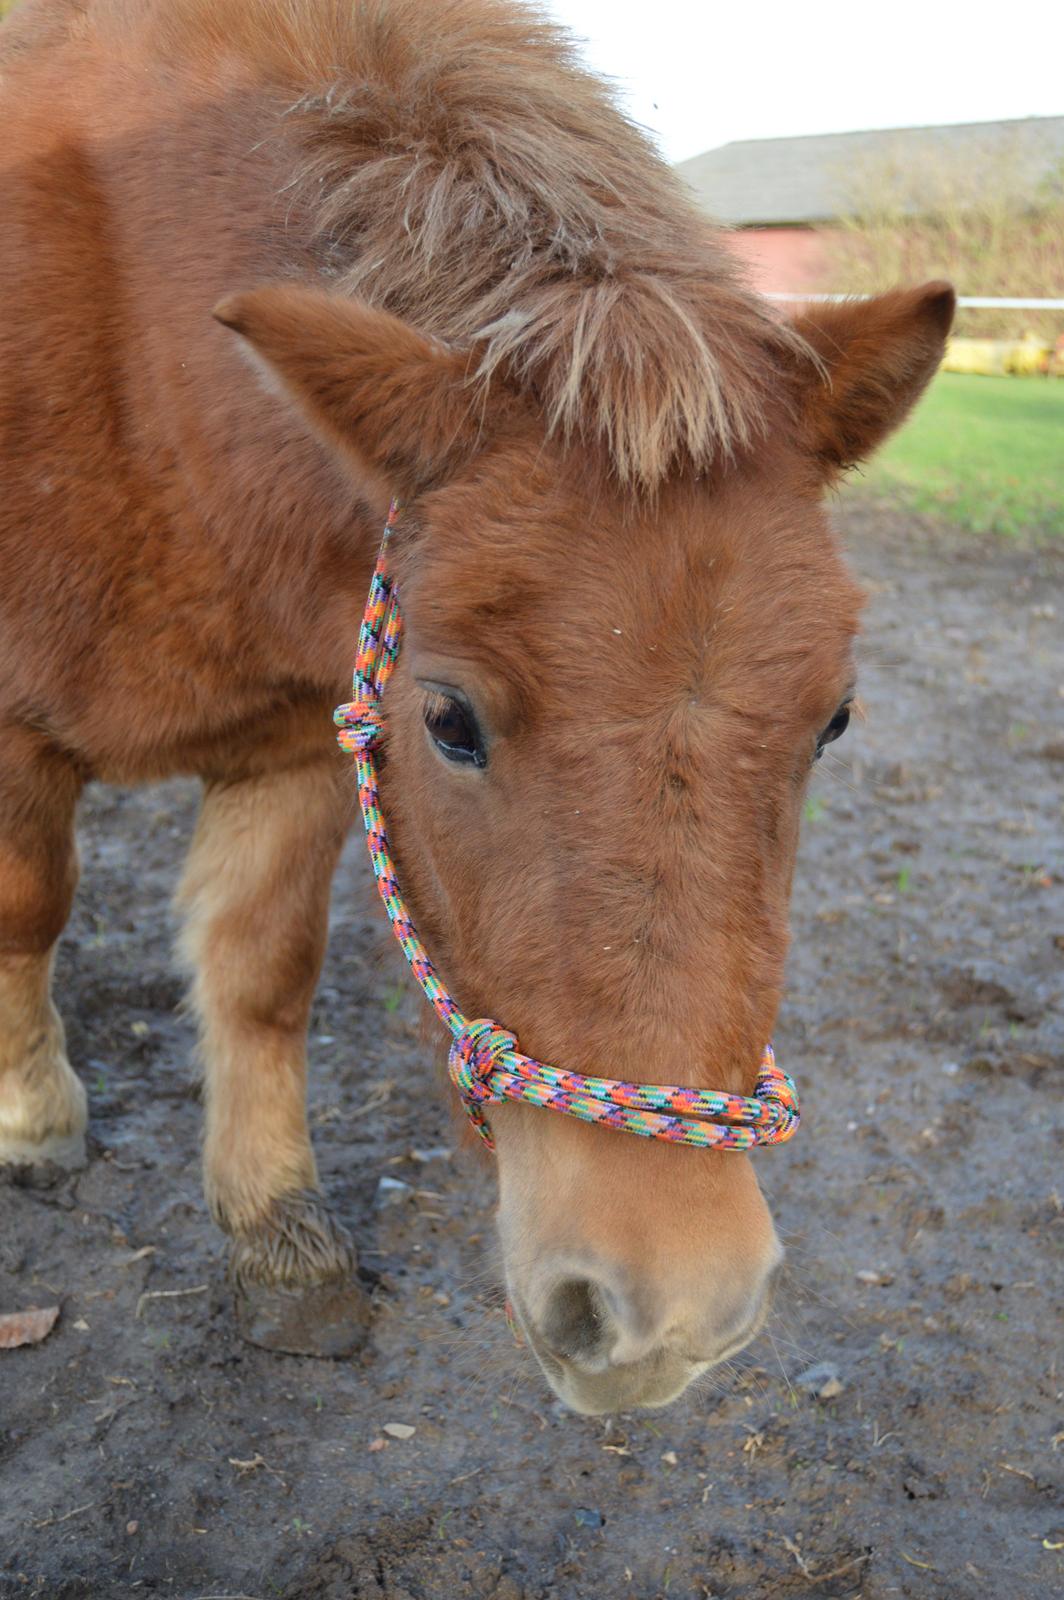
467, 281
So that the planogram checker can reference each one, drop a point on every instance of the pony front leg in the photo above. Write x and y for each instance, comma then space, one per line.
256, 897
42, 1101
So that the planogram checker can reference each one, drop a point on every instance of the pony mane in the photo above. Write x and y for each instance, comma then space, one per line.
461, 170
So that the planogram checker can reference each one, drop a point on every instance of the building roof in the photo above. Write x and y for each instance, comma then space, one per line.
774, 181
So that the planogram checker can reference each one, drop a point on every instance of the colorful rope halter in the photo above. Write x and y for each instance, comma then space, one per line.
485, 1064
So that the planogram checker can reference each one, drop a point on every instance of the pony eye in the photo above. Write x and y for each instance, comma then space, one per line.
834, 730
452, 727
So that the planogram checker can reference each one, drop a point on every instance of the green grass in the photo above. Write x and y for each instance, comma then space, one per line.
986, 453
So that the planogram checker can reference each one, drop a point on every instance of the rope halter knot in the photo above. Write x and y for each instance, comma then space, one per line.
477, 1065
485, 1062
476, 1055
361, 723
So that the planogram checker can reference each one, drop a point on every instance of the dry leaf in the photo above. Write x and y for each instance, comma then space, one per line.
26, 1327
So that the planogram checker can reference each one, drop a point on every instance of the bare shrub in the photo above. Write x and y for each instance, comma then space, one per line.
990, 218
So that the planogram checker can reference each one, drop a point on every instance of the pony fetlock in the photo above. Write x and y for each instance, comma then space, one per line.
43, 1105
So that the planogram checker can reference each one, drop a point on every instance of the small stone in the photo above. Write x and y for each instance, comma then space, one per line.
377, 1444
814, 1376
586, 1518
131, 1528
399, 1430
822, 1381
669, 1458
81, 1325
139, 1030
391, 1192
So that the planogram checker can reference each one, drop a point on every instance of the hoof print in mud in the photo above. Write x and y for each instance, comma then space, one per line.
330, 1320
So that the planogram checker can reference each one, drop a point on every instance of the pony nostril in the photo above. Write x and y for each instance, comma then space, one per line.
576, 1322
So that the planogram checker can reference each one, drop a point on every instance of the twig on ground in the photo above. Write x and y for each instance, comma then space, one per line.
798, 1556
820, 1577
516, 1405
168, 1294
141, 1254
253, 1464
378, 1095
53, 1522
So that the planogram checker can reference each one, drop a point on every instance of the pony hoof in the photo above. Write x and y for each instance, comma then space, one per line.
65, 1150
293, 1277
329, 1320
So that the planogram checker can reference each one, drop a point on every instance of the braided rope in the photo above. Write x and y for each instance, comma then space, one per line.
485, 1064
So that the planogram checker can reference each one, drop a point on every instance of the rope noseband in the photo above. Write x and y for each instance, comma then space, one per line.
485, 1063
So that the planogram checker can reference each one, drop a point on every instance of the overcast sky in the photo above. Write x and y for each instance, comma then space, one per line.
699, 73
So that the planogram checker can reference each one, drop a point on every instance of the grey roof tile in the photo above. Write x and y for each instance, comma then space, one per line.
806, 179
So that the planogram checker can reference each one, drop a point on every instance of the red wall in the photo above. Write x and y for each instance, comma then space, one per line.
783, 259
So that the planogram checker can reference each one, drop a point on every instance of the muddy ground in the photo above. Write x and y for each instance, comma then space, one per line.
144, 1449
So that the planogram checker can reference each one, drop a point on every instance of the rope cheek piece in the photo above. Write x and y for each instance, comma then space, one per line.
485, 1063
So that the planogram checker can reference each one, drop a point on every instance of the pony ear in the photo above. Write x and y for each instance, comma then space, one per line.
877, 357
395, 401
